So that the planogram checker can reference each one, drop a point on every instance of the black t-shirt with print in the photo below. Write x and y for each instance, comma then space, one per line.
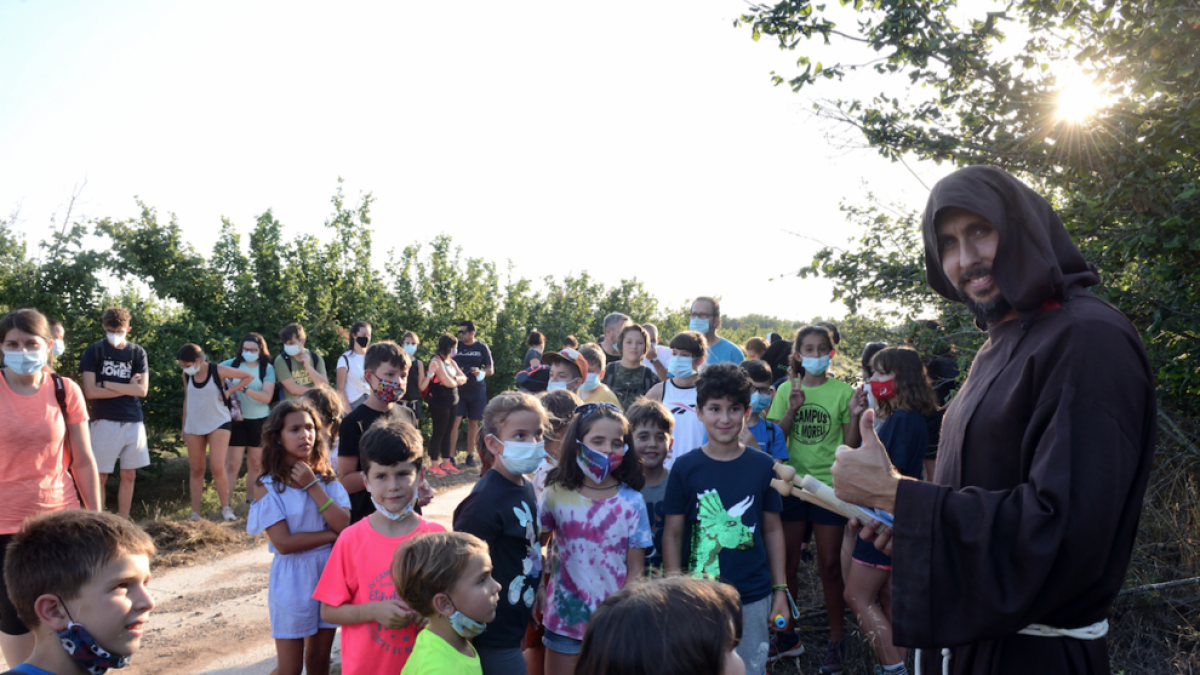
504, 515
475, 355
114, 365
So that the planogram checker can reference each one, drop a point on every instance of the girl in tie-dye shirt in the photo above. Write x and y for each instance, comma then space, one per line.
598, 519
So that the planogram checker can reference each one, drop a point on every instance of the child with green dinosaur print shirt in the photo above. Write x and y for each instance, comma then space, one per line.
723, 515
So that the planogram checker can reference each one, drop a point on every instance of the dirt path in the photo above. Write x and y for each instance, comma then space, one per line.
212, 618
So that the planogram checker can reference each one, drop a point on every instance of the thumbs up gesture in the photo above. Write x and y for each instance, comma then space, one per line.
865, 475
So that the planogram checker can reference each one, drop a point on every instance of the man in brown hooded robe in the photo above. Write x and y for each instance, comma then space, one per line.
1008, 561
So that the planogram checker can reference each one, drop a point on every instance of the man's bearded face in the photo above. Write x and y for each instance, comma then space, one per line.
967, 245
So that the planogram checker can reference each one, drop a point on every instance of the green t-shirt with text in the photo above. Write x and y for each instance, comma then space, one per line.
817, 427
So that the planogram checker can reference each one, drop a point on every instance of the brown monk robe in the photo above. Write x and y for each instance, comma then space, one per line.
1043, 462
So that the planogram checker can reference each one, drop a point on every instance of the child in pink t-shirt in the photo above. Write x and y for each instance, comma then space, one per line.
356, 590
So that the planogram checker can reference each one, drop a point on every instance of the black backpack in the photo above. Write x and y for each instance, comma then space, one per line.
287, 361
212, 372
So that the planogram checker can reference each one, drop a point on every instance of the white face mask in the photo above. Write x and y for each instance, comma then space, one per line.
59, 347
115, 339
291, 350
191, 370
249, 357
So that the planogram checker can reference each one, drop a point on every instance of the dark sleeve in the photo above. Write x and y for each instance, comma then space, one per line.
675, 502
971, 565
348, 438
139, 361
475, 516
654, 378
87, 362
487, 354
906, 440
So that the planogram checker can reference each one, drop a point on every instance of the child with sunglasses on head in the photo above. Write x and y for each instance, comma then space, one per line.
302, 508
598, 519
502, 511
446, 577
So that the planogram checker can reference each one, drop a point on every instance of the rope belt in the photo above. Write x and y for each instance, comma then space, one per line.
1092, 632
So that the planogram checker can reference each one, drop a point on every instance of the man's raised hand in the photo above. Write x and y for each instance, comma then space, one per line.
865, 476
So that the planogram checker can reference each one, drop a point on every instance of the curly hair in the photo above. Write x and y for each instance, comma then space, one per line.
274, 456
724, 380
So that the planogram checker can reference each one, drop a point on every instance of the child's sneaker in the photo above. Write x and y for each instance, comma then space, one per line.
784, 645
435, 471
833, 659
228, 514
194, 516
448, 467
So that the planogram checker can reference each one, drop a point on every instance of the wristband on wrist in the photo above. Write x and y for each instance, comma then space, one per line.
779, 587
325, 506
314, 482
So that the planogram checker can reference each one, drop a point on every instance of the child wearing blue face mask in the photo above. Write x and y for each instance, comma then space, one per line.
502, 511
593, 390
689, 351
355, 591
760, 433
447, 578
598, 519
817, 413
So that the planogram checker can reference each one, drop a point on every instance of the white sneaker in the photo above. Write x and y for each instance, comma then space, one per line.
227, 513
194, 516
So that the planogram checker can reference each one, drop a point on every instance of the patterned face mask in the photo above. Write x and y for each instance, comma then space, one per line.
389, 392
596, 464
82, 647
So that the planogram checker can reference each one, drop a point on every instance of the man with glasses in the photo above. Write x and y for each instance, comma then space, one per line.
705, 319
475, 359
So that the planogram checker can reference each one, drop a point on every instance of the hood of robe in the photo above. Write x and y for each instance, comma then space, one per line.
1035, 260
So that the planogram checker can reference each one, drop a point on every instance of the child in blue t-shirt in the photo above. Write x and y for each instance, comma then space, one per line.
723, 515
650, 427
761, 433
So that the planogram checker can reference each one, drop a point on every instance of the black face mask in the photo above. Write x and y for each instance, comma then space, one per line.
362, 340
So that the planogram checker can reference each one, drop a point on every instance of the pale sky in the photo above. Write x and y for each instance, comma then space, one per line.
628, 139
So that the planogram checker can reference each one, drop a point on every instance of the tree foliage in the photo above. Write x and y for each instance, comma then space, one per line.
1126, 178
177, 295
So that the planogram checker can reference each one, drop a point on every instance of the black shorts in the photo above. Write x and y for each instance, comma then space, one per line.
795, 509
471, 407
246, 433
9, 622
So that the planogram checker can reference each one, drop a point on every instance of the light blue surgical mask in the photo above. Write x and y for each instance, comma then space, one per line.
59, 348
555, 386
402, 513
759, 402
522, 458
465, 626
698, 325
681, 366
25, 363
249, 357
590, 383
817, 365
410, 349
479, 376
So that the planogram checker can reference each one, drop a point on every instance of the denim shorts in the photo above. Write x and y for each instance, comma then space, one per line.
561, 643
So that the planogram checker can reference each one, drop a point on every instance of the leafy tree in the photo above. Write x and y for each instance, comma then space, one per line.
1125, 178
